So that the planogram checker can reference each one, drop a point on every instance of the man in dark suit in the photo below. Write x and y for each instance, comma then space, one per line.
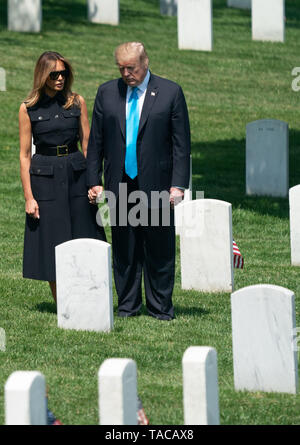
140, 128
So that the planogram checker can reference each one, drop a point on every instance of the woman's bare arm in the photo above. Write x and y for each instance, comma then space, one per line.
84, 129
31, 206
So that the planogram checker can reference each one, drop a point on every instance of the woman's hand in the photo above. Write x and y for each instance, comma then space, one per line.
32, 208
94, 193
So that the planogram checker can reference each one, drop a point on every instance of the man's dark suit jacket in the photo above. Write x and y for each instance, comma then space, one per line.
163, 144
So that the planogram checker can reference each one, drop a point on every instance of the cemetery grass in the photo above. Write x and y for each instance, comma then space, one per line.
239, 82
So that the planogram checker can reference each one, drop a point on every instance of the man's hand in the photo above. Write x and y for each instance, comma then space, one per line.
95, 192
176, 196
32, 208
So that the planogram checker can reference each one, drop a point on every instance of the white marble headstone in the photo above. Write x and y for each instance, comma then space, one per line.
25, 399
267, 158
268, 20
294, 199
84, 285
104, 11
25, 15
188, 196
263, 329
206, 246
200, 386
168, 7
117, 383
242, 4
195, 28
2, 79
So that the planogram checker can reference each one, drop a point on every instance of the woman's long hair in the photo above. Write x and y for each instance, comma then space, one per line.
45, 64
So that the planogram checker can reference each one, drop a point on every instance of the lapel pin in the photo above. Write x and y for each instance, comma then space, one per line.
152, 93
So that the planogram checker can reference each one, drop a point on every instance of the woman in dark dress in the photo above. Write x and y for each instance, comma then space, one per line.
54, 179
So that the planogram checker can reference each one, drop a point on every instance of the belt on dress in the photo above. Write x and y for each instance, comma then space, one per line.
57, 150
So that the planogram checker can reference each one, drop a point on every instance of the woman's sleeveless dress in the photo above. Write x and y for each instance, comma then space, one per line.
59, 186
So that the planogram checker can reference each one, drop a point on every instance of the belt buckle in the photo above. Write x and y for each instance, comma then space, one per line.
62, 146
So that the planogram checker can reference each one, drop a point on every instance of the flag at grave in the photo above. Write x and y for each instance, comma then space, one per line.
141, 415
238, 260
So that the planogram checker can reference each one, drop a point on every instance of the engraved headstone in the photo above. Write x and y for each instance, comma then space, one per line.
263, 326
117, 383
206, 246
267, 158
294, 199
104, 11
25, 399
268, 20
2, 79
168, 7
25, 15
84, 285
200, 386
242, 4
195, 28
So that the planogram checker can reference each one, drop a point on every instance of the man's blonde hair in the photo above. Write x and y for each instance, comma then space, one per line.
132, 49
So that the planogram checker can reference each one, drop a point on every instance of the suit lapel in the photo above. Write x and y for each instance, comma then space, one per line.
150, 98
151, 95
122, 106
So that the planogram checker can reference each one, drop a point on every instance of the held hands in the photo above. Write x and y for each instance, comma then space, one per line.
176, 196
95, 192
32, 208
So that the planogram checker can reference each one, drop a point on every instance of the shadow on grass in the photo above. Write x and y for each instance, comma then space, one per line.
219, 170
46, 307
63, 13
191, 311
292, 13
3, 15
179, 311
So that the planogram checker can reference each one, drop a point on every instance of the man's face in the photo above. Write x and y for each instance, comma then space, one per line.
132, 71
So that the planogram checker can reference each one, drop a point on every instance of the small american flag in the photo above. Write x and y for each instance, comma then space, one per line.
238, 260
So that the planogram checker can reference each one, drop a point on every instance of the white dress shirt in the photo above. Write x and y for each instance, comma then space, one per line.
141, 92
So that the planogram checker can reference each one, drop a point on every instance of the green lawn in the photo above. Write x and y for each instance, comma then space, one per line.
239, 82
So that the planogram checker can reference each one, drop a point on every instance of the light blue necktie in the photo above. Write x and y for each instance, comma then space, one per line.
132, 127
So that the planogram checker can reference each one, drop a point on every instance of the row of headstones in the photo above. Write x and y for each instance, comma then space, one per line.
25, 402
195, 28
264, 359
263, 316
195, 22
26, 15
206, 258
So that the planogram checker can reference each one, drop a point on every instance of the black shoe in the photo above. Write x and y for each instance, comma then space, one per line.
128, 314
162, 317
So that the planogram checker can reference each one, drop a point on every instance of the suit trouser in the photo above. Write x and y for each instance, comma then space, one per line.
144, 248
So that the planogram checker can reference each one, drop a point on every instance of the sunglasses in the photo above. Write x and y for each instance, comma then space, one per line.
54, 75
